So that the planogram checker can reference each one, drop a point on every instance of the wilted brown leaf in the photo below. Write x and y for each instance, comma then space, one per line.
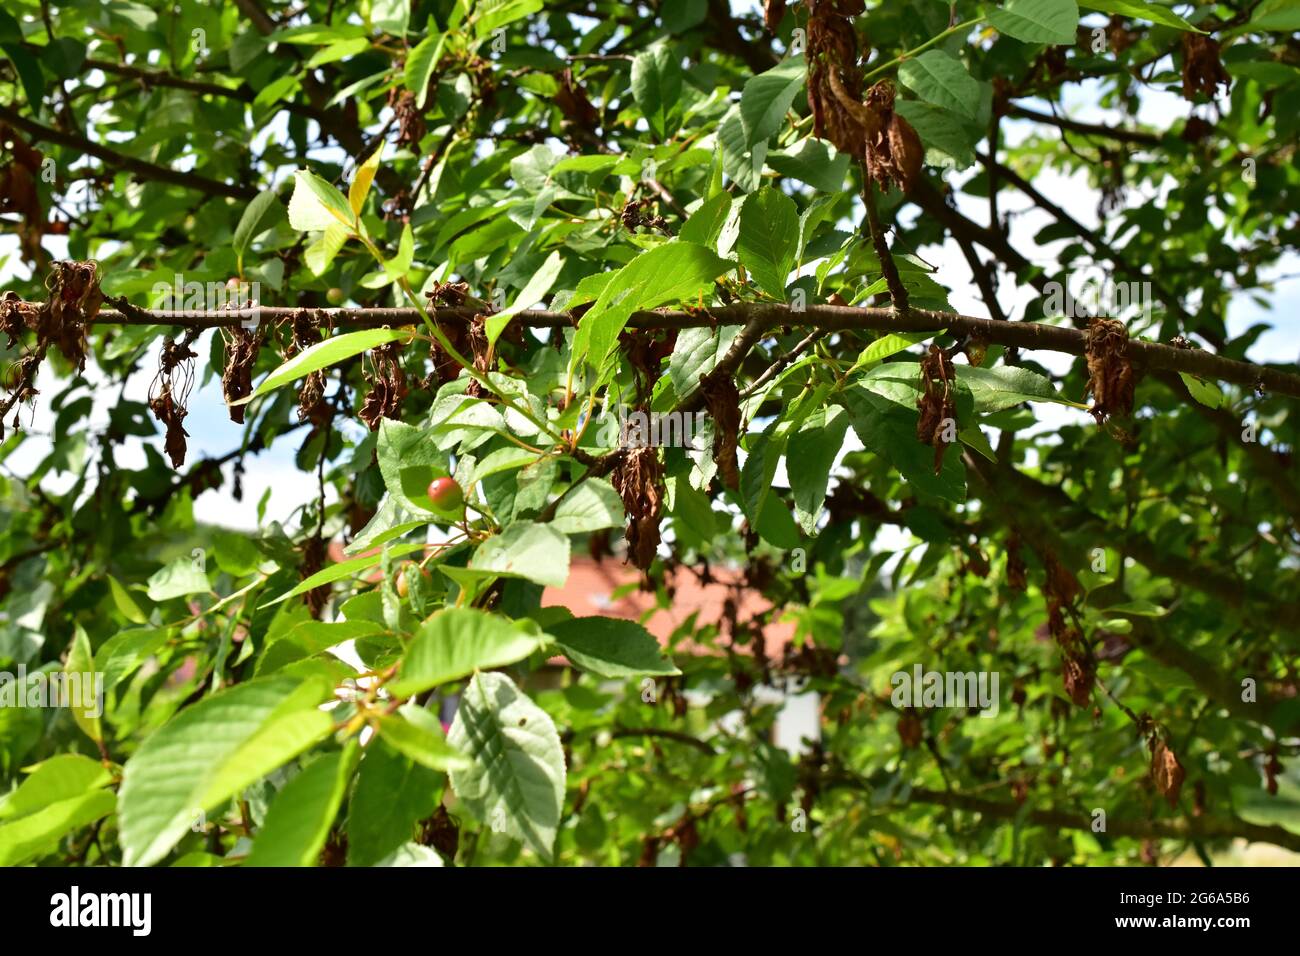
1110, 376
638, 479
1166, 772
1203, 71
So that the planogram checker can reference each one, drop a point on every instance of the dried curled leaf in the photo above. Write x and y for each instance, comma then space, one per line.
937, 424
901, 162
169, 392
834, 78
73, 303
15, 316
19, 194
171, 414
1110, 376
410, 119
1202, 69
237, 378
448, 293
1166, 772
387, 385
1060, 589
910, 731
639, 480
480, 349
1078, 674
313, 559
574, 104
311, 397
1017, 573
723, 401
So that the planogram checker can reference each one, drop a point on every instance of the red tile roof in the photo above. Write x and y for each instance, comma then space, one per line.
591, 585
590, 589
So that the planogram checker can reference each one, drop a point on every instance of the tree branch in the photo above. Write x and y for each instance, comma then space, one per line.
139, 167
761, 317
1137, 137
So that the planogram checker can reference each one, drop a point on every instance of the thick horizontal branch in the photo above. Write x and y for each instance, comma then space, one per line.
769, 316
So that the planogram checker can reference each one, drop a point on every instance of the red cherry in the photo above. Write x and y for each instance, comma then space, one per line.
446, 494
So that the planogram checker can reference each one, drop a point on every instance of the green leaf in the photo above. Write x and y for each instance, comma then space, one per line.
61, 777
390, 16
420, 64
705, 224
946, 140
491, 14
35, 834
535, 552
767, 97
418, 735
1003, 386
697, 352
211, 751
940, 78
320, 254
768, 240
79, 671
454, 643
887, 345
252, 222
183, 576
815, 447
741, 161
813, 162
412, 854
1037, 21
530, 295
124, 602
993, 389
392, 794
1138, 608
344, 569
316, 205
121, 654
26, 66
516, 784
1148, 11
611, 647
657, 88
299, 819
322, 355
889, 430
591, 506
1276, 15
398, 266
672, 272
1204, 391
338, 51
